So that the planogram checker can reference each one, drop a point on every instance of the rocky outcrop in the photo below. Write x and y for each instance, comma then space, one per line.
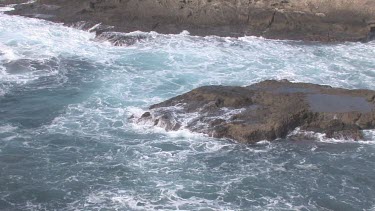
266, 111
334, 20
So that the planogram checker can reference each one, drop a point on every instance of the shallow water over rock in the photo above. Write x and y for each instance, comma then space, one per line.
333, 103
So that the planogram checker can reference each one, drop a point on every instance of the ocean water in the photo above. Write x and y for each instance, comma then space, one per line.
66, 142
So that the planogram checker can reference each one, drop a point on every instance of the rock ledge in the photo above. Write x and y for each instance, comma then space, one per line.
312, 20
266, 111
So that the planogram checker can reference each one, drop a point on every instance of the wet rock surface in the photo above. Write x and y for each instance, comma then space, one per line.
121, 39
266, 111
312, 20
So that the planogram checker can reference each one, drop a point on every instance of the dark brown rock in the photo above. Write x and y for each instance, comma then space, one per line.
315, 20
266, 111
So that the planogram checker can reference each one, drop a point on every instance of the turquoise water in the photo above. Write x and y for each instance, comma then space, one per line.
66, 142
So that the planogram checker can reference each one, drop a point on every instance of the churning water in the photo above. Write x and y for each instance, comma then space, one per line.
66, 143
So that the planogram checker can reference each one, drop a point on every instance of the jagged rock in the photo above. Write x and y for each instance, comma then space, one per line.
266, 111
333, 20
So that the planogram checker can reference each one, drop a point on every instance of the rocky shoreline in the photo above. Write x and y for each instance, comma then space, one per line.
309, 20
266, 111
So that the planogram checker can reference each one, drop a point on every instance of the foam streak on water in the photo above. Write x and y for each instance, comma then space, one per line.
66, 142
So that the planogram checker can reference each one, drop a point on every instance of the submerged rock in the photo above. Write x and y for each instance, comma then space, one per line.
121, 39
266, 111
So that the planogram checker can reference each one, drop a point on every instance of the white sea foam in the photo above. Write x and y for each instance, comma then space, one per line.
307, 167
149, 127
7, 54
7, 128
368, 134
119, 165
5, 9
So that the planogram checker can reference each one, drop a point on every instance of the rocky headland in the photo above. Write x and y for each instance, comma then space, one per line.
312, 20
266, 111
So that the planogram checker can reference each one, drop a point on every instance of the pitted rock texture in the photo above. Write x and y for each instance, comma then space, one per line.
266, 111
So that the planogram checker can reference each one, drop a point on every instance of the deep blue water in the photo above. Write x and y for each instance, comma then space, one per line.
66, 142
